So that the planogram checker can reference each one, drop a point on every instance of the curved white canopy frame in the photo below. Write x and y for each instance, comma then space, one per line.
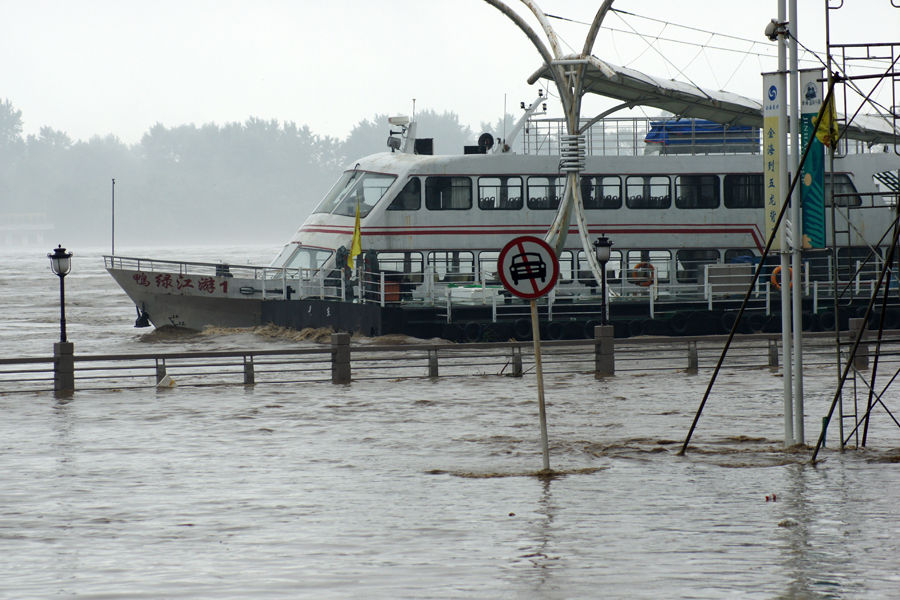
567, 73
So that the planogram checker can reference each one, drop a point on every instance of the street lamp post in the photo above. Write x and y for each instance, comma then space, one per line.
61, 264
602, 248
64, 350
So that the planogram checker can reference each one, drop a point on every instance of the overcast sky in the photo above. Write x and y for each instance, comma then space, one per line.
98, 67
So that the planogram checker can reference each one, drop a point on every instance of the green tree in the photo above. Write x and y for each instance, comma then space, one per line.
11, 150
10, 124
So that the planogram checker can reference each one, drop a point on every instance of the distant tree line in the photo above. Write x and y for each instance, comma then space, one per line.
254, 181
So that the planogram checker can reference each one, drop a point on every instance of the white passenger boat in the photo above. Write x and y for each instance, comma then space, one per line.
681, 199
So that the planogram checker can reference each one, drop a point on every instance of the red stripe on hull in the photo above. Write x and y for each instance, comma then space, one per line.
752, 230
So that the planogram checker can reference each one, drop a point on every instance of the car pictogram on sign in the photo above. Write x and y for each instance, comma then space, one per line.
528, 265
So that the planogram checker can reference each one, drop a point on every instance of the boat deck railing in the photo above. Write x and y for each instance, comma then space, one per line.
715, 285
218, 269
626, 136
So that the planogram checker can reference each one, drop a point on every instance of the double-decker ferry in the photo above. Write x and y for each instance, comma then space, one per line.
681, 199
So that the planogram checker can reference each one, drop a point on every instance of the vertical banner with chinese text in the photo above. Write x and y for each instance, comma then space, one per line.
812, 175
773, 97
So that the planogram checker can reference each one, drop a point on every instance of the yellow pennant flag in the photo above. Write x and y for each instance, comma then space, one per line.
356, 245
827, 133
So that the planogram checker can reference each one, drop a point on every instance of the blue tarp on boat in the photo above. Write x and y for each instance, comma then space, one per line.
699, 135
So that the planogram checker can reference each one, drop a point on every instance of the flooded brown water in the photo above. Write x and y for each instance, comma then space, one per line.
416, 488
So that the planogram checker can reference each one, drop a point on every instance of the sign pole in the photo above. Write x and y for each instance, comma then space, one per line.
528, 268
536, 336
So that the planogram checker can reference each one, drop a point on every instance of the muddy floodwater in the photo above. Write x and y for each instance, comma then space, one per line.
418, 488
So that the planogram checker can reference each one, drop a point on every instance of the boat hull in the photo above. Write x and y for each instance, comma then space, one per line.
189, 307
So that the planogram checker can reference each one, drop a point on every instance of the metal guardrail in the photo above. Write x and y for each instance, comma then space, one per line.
373, 362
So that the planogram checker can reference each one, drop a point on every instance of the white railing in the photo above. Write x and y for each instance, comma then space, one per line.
718, 284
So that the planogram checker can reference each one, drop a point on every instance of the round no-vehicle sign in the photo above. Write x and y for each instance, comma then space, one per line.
528, 267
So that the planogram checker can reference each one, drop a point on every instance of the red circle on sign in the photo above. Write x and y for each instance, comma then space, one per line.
528, 267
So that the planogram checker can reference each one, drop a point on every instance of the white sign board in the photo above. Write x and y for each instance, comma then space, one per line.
528, 267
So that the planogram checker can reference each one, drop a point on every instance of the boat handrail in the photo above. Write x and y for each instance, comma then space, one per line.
626, 136
220, 269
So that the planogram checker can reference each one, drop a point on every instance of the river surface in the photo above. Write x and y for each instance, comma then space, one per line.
417, 488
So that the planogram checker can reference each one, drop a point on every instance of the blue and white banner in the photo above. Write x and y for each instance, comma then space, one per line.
812, 173
773, 140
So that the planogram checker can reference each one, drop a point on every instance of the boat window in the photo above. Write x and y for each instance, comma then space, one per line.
410, 197
337, 191
355, 188
744, 190
366, 193
544, 193
284, 255
697, 191
448, 193
741, 255
647, 191
817, 262
603, 192
613, 268
500, 193
858, 260
308, 258
566, 266
689, 264
487, 266
404, 267
638, 272
452, 266
842, 185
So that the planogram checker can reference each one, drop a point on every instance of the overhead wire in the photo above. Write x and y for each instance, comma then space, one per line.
666, 59
768, 52
651, 40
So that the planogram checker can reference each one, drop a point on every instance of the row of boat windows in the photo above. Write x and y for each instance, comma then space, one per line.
679, 266
469, 266
685, 265
598, 192
359, 190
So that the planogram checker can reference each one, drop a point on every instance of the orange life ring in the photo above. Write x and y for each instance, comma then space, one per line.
776, 280
642, 274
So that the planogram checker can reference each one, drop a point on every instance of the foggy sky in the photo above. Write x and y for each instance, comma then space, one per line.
98, 67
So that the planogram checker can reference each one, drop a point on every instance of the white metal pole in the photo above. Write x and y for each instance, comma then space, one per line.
797, 237
536, 336
787, 361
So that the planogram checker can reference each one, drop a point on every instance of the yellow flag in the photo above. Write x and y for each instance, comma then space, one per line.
356, 245
827, 133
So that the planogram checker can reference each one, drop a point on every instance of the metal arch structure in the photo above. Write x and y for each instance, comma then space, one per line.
577, 75
633, 87
568, 74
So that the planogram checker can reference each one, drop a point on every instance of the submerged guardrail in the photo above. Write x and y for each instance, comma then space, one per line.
344, 363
